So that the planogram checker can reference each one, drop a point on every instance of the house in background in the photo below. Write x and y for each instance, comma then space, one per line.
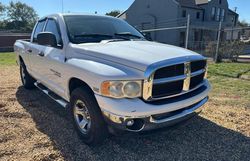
205, 16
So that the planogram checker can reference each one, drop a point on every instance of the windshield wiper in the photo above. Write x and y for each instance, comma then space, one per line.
128, 34
102, 35
94, 35
122, 35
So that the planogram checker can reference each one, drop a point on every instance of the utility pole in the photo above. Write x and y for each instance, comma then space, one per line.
187, 31
62, 6
234, 21
218, 43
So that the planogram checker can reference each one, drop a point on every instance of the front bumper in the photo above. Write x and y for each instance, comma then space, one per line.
146, 116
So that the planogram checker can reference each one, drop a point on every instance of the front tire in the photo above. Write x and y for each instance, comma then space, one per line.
27, 80
87, 117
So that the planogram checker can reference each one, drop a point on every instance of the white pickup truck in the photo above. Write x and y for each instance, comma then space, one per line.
109, 76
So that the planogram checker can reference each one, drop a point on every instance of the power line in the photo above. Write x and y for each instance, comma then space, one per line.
162, 29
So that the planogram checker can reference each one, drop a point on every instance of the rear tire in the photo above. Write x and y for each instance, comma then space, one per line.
27, 80
87, 117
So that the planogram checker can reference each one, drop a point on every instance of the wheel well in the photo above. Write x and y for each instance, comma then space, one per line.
21, 60
75, 83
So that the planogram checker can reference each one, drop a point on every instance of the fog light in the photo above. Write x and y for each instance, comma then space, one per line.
130, 123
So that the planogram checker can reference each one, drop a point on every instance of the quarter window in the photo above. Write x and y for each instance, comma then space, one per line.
39, 28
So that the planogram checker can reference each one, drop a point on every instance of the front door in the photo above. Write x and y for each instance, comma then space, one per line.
52, 59
34, 49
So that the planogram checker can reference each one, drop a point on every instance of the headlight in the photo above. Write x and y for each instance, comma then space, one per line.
121, 89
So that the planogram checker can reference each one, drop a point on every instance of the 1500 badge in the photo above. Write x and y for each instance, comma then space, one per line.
55, 72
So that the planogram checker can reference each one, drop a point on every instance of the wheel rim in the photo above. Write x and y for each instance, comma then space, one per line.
82, 117
23, 75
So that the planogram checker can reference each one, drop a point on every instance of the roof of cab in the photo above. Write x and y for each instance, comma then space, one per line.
73, 14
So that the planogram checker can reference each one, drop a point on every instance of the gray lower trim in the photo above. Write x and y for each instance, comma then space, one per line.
180, 115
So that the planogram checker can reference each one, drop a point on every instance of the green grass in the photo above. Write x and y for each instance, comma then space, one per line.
247, 74
7, 58
233, 70
227, 89
230, 91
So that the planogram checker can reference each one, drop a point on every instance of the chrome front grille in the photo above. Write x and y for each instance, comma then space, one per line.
175, 80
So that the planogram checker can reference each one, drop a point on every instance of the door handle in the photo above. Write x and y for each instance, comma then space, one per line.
41, 53
29, 50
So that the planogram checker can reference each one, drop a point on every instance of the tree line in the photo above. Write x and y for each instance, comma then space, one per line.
17, 17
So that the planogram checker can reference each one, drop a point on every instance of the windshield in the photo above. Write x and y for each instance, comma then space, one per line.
89, 29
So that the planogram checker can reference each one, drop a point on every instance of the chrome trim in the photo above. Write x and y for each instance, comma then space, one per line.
169, 79
198, 72
177, 78
180, 115
149, 73
206, 71
181, 93
148, 87
169, 62
187, 70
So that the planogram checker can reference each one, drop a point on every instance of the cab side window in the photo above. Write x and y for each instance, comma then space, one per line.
52, 27
39, 28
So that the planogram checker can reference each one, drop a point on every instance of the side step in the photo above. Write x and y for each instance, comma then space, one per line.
51, 94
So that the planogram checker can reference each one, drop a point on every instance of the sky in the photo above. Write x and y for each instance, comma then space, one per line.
44, 7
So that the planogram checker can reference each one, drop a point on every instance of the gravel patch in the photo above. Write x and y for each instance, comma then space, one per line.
34, 127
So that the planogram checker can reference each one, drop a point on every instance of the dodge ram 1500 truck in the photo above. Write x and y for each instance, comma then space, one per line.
109, 77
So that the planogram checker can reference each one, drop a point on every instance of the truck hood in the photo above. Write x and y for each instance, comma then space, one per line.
135, 54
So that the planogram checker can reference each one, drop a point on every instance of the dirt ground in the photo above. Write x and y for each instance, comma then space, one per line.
34, 127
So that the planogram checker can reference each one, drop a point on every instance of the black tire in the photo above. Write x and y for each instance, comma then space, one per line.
97, 130
27, 80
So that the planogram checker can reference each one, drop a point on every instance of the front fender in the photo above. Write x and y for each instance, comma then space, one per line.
93, 73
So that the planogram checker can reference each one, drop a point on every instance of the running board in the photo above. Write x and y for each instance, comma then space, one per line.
51, 94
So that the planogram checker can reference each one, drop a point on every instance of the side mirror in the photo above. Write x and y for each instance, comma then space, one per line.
47, 39
147, 36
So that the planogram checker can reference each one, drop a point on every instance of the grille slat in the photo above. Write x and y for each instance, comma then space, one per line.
161, 89
167, 89
170, 71
195, 81
198, 65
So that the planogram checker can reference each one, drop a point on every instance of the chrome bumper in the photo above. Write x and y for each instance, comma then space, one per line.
149, 122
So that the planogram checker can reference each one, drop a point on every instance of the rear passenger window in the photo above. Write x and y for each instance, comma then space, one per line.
52, 27
39, 28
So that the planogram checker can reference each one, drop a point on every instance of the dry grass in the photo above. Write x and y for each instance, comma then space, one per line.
33, 127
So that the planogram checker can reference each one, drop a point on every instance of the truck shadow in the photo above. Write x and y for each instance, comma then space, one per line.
196, 139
